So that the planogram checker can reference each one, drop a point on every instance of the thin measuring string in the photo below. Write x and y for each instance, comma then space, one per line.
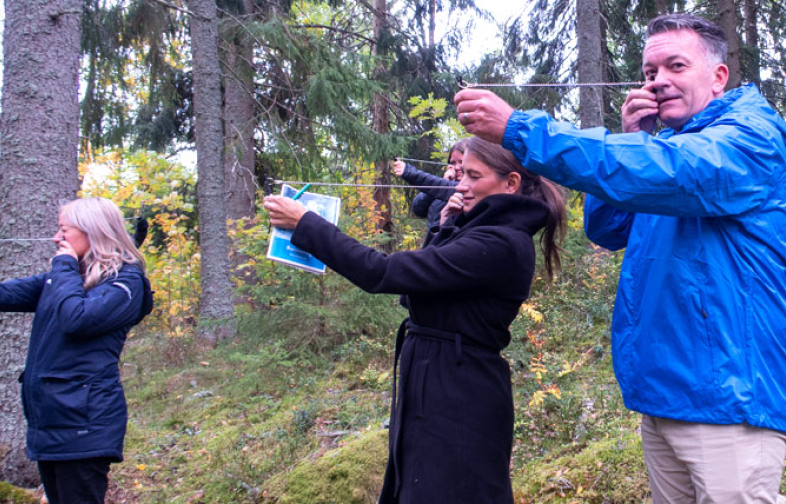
350, 184
467, 85
423, 161
24, 239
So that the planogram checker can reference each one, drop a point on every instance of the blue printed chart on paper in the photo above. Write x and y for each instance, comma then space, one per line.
281, 248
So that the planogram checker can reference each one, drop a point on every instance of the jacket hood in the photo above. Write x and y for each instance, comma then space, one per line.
147, 298
741, 100
147, 295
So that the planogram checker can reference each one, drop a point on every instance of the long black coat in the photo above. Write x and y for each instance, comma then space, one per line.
452, 431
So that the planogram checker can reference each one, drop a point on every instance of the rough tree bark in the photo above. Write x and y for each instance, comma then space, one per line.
216, 308
588, 23
727, 19
381, 118
752, 53
239, 113
39, 133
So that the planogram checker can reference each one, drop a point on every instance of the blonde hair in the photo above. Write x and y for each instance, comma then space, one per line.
110, 244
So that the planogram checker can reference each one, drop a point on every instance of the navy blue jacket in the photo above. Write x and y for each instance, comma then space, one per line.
71, 391
429, 202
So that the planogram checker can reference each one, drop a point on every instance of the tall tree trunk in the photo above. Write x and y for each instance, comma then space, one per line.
605, 72
431, 61
589, 61
381, 118
432, 24
727, 19
239, 125
39, 132
752, 51
216, 307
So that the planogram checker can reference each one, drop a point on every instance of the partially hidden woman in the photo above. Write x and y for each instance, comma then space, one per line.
431, 200
451, 430
95, 291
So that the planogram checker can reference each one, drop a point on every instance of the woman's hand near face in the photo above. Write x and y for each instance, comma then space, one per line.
285, 213
454, 206
64, 248
398, 167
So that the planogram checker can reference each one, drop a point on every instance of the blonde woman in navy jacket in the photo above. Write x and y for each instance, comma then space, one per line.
95, 291
452, 427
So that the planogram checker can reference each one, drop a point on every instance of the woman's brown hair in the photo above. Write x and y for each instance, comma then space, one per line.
503, 162
458, 146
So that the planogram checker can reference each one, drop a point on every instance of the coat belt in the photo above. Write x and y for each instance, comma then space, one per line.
409, 329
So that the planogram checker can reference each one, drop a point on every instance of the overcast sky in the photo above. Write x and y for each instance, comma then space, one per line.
486, 37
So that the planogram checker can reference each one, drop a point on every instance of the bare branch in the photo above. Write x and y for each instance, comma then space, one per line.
333, 28
181, 9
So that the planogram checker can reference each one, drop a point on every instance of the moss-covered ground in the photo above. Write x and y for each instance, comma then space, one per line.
10, 494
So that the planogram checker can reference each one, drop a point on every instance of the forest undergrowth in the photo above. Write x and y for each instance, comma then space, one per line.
294, 410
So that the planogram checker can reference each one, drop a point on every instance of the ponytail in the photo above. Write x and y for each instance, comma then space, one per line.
556, 224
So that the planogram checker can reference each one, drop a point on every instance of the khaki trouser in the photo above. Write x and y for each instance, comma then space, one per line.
712, 464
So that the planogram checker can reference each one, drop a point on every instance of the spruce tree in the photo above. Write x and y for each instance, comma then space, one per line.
39, 129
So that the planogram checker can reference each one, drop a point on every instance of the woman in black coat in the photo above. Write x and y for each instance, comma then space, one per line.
95, 291
452, 427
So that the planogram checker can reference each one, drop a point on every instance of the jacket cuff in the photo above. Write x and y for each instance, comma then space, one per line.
409, 172
512, 139
301, 232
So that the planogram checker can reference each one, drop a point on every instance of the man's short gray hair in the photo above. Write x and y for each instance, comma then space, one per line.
711, 34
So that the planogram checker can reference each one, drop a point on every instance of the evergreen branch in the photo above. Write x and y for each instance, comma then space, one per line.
238, 20
241, 24
251, 64
181, 9
276, 104
336, 29
266, 109
286, 140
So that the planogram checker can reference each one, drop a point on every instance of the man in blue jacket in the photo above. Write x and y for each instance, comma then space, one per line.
699, 330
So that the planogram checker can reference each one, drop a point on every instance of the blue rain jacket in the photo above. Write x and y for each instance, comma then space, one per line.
71, 391
699, 330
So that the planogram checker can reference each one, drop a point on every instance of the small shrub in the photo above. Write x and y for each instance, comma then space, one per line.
9, 494
610, 471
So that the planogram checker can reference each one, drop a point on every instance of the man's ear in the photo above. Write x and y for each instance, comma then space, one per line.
720, 76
